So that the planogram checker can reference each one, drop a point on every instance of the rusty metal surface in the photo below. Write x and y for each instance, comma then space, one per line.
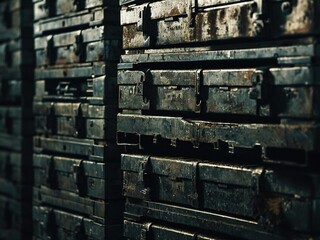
74, 71
83, 177
95, 90
56, 224
16, 19
299, 136
75, 119
98, 151
88, 82
156, 231
103, 212
80, 20
265, 92
86, 45
44, 9
200, 219
295, 52
163, 23
252, 192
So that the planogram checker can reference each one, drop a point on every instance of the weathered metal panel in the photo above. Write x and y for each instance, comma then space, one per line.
230, 137
44, 9
16, 19
291, 53
275, 92
15, 53
219, 223
250, 192
15, 121
163, 23
15, 167
81, 20
154, 231
74, 71
99, 151
14, 217
10, 91
15, 142
100, 211
15, 190
56, 224
75, 119
17, 73
92, 89
85, 178
86, 45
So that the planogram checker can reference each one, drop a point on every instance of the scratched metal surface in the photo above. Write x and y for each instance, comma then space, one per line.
165, 23
254, 193
56, 224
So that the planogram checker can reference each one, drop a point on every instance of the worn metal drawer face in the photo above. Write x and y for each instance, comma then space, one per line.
165, 23
154, 231
200, 219
91, 179
291, 53
248, 192
86, 148
265, 93
15, 167
17, 19
15, 121
64, 225
84, 70
55, 224
99, 210
44, 9
92, 88
77, 20
88, 45
226, 137
75, 127
15, 53
75, 119
15, 142
11, 91
14, 215
175, 90
14, 190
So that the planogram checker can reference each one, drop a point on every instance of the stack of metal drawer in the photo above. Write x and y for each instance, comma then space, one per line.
220, 119
77, 182
16, 129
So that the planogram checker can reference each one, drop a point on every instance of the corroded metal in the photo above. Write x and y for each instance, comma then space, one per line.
82, 19
75, 120
44, 9
163, 23
203, 220
87, 45
265, 93
255, 193
300, 136
153, 231
52, 223
85, 178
